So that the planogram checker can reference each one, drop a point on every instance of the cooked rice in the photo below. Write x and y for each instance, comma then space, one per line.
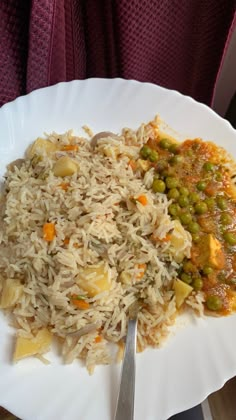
104, 226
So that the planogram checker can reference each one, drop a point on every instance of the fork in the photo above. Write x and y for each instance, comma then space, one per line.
125, 401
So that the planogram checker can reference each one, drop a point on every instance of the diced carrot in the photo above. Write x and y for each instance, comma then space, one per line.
64, 186
142, 199
49, 232
98, 339
80, 303
77, 245
211, 189
133, 164
142, 268
167, 238
70, 148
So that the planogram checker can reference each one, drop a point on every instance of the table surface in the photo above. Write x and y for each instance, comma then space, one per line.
222, 403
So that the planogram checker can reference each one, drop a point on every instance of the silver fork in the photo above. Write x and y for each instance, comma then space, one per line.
125, 402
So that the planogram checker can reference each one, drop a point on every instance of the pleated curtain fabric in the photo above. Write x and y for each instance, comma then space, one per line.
178, 44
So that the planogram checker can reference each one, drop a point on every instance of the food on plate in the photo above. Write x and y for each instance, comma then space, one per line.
182, 291
38, 344
12, 289
90, 227
40, 147
65, 166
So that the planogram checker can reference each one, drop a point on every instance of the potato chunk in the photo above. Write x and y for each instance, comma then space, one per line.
65, 166
232, 301
144, 165
179, 239
182, 290
94, 279
11, 292
26, 347
210, 253
216, 255
41, 147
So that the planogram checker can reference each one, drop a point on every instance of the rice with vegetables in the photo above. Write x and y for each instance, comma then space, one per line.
89, 228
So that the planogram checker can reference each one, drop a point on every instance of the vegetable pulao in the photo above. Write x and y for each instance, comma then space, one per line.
90, 227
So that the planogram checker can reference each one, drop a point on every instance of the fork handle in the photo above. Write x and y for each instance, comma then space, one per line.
125, 402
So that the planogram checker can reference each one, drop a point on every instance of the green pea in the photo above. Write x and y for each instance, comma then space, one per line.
198, 283
221, 277
210, 202
218, 176
167, 172
184, 191
196, 237
173, 193
230, 238
173, 148
221, 202
195, 145
226, 219
185, 218
188, 267
186, 278
175, 160
223, 229
207, 270
193, 227
171, 182
165, 144
201, 185
174, 209
153, 157
209, 166
183, 201
145, 152
158, 186
190, 153
161, 165
201, 208
214, 303
191, 209
194, 197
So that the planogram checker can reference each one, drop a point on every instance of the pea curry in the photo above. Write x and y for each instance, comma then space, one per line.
196, 177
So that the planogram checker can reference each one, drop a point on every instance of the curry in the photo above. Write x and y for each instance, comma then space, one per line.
197, 178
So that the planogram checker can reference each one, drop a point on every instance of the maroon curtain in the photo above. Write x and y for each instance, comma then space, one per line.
178, 44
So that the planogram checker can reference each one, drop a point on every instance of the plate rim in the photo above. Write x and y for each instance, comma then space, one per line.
24, 98
116, 80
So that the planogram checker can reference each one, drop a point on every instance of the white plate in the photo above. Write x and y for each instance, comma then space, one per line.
195, 361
